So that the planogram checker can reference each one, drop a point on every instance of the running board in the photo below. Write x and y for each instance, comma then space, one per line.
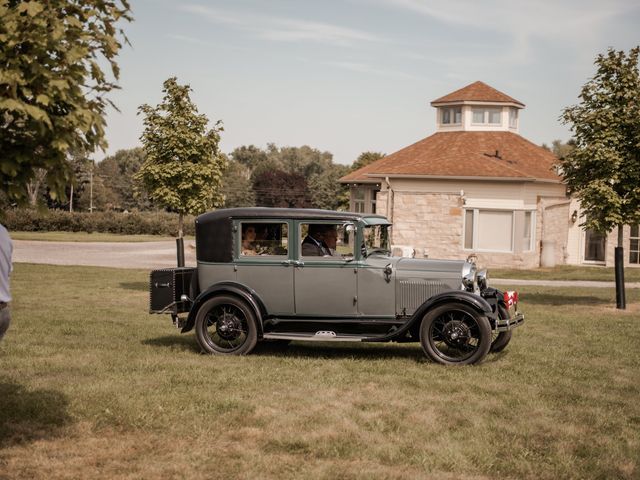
321, 336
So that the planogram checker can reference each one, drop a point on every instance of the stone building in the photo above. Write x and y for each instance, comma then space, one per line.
477, 187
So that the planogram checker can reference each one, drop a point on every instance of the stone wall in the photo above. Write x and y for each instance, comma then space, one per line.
432, 223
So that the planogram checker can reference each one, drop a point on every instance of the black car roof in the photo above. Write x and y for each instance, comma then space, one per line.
293, 213
214, 242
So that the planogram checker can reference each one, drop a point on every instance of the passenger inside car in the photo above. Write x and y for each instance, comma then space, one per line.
318, 240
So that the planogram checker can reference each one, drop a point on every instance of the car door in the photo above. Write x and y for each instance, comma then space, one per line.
325, 279
264, 263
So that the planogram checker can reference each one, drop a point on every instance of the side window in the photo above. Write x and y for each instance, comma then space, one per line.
264, 239
332, 241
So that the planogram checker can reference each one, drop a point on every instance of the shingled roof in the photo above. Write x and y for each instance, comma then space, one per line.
476, 92
502, 155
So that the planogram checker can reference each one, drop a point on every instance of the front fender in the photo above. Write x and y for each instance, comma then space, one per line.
474, 301
232, 288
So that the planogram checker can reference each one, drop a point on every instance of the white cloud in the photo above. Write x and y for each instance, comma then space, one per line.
577, 22
283, 29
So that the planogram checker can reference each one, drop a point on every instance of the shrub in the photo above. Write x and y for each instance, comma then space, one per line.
135, 223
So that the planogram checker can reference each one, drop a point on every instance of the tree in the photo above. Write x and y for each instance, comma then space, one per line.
365, 158
326, 192
53, 90
559, 148
603, 168
237, 187
183, 167
275, 188
117, 172
250, 156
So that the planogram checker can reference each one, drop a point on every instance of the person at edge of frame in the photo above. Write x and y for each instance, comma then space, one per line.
6, 249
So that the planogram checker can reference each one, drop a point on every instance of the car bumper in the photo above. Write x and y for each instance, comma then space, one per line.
506, 324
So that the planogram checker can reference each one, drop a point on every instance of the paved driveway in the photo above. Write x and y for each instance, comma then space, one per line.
147, 255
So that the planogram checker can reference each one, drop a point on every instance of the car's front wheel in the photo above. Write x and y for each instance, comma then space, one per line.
455, 334
226, 325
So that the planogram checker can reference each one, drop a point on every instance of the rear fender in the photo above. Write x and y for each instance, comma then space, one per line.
230, 288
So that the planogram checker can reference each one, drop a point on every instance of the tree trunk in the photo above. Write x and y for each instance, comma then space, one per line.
619, 270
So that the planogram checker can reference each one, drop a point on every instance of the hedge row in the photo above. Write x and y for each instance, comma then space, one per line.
135, 223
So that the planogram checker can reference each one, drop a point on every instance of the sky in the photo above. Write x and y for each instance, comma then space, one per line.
349, 76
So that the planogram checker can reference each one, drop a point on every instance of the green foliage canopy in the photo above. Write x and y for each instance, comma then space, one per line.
603, 168
365, 158
116, 173
183, 167
53, 90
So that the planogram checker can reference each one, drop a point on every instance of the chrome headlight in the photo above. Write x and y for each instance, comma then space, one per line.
483, 279
469, 276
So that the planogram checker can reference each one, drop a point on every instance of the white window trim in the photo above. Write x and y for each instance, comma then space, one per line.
474, 240
486, 116
452, 116
532, 245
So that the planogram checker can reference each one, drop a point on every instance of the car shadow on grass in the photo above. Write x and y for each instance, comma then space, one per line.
341, 350
174, 342
560, 299
30, 415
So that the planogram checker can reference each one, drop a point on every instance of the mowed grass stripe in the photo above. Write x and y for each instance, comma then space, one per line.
92, 385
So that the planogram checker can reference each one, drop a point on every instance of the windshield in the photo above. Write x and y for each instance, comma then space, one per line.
376, 239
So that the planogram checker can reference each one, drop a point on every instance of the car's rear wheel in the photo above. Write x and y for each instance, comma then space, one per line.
500, 340
226, 325
455, 334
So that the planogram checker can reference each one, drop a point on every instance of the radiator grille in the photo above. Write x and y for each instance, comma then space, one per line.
413, 293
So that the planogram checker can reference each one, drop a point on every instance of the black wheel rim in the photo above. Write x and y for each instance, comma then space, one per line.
455, 335
226, 328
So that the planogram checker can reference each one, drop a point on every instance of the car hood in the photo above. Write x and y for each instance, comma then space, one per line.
417, 264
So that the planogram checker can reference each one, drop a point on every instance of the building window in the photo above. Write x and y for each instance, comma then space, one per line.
451, 116
374, 196
488, 230
594, 246
634, 245
513, 117
487, 116
358, 200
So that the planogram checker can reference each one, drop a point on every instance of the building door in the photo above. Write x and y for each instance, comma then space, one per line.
594, 246
634, 245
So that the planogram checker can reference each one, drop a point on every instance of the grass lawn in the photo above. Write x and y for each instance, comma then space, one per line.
89, 237
566, 272
91, 386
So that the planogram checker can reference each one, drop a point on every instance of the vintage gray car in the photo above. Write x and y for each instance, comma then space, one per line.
267, 274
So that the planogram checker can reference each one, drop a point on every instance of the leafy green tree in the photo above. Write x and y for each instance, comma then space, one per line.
603, 169
249, 155
365, 158
53, 89
116, 172
276, 188
237, 187
304, 160
183, 167
326, 192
